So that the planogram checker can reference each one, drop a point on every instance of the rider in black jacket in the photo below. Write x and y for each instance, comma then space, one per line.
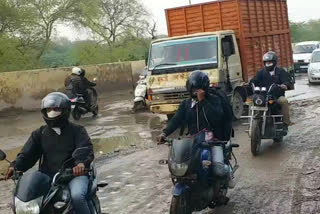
202, 111
54, 143
271, 74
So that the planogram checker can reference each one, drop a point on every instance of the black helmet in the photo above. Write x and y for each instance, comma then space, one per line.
270, 57
60, 101
197, 80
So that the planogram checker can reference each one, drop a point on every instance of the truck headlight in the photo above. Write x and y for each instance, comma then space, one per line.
156, 97
30, 207
178, 169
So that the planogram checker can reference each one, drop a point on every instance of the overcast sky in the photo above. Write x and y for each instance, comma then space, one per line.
299, 10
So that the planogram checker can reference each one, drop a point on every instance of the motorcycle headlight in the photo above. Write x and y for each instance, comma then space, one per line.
178, 169
258, 101
30, 207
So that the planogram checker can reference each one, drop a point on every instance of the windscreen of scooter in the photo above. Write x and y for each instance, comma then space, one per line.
32, 185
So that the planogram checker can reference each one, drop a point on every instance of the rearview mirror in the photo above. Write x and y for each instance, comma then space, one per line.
3, 155
227, 46
81, 153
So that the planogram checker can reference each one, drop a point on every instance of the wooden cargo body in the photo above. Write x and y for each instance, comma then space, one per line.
260, 26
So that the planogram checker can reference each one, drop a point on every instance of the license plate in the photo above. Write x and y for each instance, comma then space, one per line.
257, 108
304, 66
73, 106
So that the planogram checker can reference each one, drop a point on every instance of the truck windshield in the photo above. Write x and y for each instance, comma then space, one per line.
315, 57
183, 52
299, 49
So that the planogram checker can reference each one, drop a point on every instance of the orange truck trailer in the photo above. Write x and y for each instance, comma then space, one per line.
227, 39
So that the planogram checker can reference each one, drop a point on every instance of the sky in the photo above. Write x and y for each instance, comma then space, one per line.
299, 10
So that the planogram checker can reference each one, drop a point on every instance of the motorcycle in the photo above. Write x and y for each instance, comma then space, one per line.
201, 172
79, 107
265, 119
51, 196
140, 93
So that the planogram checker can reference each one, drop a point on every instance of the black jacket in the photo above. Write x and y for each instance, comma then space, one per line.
210, 113
53, 149
264, 79
77, 85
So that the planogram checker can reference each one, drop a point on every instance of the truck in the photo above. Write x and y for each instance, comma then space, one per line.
226, 39
302, 55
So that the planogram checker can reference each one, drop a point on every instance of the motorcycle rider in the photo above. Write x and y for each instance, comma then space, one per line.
271, 74
201, 111
77, 83
54, 143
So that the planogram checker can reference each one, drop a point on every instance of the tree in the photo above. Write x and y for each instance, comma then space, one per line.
115, 18
40, 18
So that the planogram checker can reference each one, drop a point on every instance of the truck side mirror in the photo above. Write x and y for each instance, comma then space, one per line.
227, 46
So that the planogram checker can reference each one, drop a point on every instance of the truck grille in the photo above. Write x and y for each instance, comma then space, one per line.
176, 95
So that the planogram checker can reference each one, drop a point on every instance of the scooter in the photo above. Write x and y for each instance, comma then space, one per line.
265, 119
200, 171
140, 93
35, 193
79, 107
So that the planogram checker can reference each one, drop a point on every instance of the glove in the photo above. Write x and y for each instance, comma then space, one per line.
9, 173
161, 138
284, 87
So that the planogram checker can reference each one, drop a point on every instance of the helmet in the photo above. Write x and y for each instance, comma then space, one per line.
197, 80
76, 71
268, 58
60, 107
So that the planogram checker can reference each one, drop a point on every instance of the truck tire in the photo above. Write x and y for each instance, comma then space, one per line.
237, 105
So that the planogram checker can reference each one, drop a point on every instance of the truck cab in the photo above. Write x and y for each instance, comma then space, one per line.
172, 59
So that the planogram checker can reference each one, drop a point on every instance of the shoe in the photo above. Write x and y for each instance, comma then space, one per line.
231, 184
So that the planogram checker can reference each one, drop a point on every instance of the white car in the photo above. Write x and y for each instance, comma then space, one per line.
314, 67
302, 54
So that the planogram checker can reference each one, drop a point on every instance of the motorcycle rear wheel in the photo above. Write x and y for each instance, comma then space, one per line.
180, 205
255, 137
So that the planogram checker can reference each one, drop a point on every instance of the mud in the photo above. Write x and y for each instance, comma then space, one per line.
284, 178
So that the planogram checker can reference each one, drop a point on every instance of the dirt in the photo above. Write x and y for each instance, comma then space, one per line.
284, 178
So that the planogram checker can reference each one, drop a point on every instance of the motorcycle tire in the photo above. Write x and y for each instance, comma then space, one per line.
278, 140
255, 137
180, 205
95, 112
76, 114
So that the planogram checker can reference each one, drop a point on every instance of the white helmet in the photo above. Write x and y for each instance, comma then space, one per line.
76, 70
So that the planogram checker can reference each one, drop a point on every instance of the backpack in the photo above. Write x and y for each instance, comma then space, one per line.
227, 110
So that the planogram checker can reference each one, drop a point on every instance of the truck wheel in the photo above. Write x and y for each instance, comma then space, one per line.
255, 137
237, 105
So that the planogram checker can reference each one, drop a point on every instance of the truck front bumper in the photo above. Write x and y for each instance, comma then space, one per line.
164, 108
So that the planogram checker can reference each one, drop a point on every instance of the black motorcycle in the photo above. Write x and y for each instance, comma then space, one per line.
80, 107
51, 195
200, 171
265, 119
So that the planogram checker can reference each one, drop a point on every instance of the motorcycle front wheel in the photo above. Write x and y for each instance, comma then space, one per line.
180, 205
255, 137
76, 114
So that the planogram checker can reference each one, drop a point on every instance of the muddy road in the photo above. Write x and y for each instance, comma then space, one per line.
285, 178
